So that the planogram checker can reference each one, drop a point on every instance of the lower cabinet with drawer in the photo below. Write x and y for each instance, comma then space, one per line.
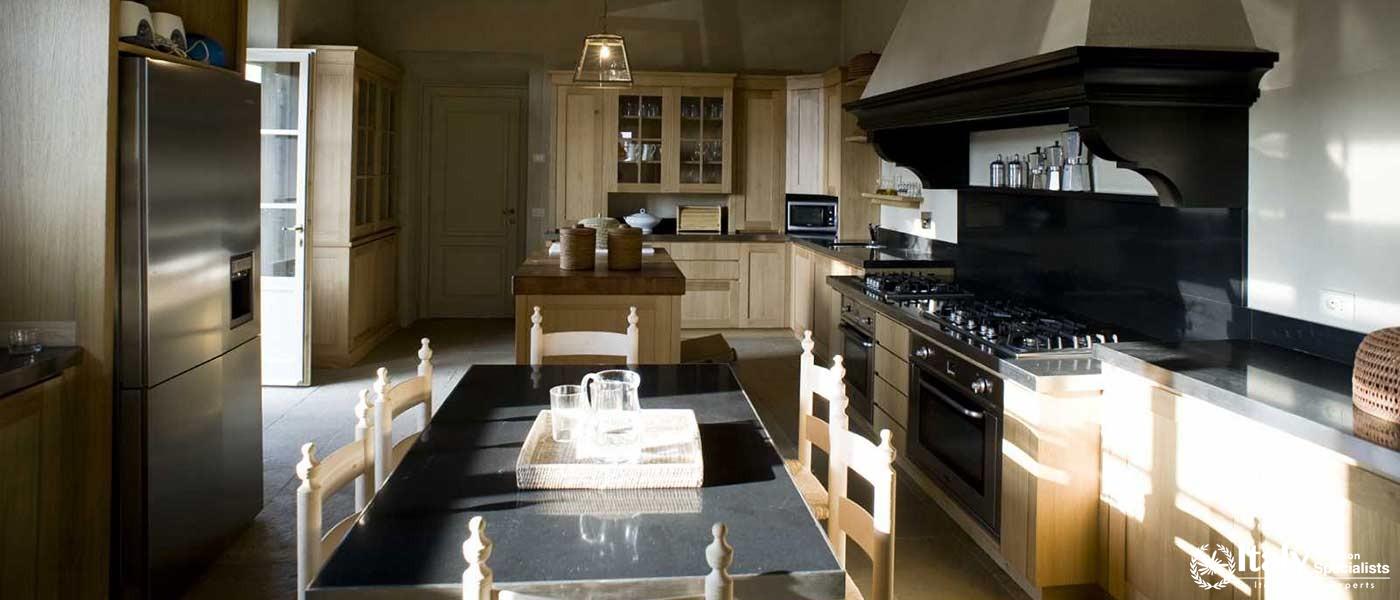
732, 284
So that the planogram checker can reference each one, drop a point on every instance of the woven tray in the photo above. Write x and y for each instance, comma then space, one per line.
670, 457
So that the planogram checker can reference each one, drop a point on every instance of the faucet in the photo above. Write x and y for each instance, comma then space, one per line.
874, 231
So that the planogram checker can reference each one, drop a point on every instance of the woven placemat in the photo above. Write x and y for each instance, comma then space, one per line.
1375, 380
668, 457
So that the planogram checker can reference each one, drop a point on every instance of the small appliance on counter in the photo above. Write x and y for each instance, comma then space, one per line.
699, 218
812, 216
642, 220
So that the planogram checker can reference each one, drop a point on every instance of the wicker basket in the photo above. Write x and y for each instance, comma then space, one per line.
576, 248
624, 249
862, 65
1375, 382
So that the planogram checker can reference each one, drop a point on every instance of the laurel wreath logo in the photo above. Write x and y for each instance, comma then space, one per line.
1199, 570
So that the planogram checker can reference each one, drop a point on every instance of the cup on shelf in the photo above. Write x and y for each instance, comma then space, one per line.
24, 341
651, 151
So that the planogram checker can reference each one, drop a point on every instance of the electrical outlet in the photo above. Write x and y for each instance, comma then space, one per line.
537, 213
926, 219
1339, 305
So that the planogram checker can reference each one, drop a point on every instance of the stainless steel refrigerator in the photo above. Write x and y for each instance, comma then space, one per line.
188, 409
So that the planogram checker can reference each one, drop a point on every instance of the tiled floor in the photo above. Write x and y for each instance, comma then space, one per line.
933, 558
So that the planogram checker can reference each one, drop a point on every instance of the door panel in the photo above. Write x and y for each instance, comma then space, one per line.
473, 196
285, 78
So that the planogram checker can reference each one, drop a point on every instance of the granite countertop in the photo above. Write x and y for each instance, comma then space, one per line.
940, 255
1297, 393
540, 274
21, 371
409, 540
1060, 374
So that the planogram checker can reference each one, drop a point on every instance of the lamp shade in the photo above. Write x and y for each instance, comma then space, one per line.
604, 61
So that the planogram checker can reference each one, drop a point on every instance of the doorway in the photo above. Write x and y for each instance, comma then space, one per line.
472, 199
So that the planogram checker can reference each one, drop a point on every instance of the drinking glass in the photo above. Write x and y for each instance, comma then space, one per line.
616, 413
568, 408
25, 340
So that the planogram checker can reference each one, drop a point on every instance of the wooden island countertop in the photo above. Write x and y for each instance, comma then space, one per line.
541, 275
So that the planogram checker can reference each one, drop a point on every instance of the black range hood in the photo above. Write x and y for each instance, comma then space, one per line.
1179, 117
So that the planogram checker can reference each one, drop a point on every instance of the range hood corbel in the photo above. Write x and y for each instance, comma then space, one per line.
1179, 117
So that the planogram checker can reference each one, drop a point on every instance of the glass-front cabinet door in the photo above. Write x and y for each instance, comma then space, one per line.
669, 139
704, 140
640, 144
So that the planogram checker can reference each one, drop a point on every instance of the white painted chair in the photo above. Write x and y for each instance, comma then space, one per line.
873, 533
320, 479
392, 400
584, 343
812, 430
477, 582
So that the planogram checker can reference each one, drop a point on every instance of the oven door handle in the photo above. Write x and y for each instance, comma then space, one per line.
860, 335
953, 404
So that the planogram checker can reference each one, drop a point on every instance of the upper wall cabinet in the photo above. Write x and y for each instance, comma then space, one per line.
669, 132
353, 145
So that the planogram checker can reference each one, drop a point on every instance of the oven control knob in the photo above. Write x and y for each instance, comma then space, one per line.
868, 321
981, 385
923, 352
845, 308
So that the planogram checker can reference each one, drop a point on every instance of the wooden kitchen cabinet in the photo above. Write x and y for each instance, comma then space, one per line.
353, 203
354, 141
356, 291
758, 202
1179, 473
670, 133
765, 275
42, 518
580, 187
801, 292
806, 135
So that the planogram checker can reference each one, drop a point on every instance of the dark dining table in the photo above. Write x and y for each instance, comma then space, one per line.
583, 543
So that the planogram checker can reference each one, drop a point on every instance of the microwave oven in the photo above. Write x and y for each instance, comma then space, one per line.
811, 215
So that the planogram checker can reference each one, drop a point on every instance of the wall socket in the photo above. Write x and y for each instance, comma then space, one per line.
1339, 305
926, 219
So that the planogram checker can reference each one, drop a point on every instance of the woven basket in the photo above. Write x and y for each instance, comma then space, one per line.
1375, 381
862, 65
1376, 431
624, 249
576, 248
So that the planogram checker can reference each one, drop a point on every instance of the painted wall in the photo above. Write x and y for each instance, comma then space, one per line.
714, 35
1324, 158
318, 22
866, 25
940, 38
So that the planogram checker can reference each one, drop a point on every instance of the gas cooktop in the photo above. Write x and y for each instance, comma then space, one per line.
999, 326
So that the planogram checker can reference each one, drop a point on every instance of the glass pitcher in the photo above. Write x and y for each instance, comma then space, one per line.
616, 412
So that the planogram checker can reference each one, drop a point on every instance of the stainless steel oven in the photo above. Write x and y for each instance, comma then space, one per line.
811, 215
955, 421
858, 354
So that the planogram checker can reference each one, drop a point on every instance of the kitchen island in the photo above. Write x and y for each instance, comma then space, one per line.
598, 300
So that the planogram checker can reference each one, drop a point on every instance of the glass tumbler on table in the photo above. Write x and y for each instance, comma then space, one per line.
568, 407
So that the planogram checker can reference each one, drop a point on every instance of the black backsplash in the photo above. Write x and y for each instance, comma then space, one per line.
1167, 273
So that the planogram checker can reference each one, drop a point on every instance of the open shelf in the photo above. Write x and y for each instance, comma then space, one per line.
130, 48
894, 200
858, 81
1101, 196
857, 139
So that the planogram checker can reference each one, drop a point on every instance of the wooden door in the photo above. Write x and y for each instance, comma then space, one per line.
580, 183
473, 196
759, 118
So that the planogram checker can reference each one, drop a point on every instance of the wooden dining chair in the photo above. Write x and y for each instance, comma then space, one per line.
478, 584
392, 400
812, 430
584, 343
872, 532
320, 479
